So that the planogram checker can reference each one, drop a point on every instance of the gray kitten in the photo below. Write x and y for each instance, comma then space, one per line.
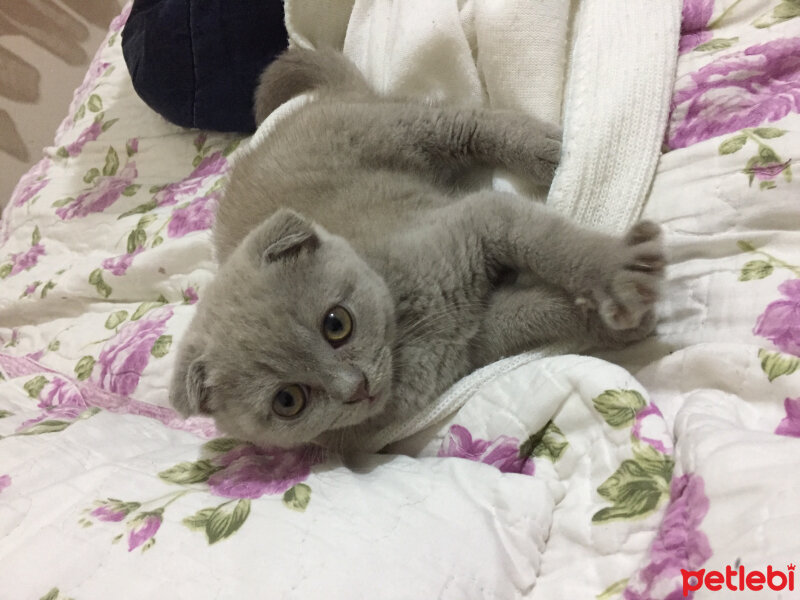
357, 283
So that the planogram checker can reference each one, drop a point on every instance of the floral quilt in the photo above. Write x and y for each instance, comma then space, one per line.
563, 477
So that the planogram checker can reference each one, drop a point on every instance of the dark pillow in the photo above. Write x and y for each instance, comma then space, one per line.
197, 62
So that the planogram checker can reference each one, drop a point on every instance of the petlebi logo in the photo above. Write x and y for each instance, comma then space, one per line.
738, 579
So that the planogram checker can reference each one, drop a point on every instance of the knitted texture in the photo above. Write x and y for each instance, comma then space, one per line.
616, 108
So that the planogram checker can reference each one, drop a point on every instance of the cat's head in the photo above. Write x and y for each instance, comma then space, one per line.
291, 340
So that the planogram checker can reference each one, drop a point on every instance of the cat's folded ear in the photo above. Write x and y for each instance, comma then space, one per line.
284, 235
188, 392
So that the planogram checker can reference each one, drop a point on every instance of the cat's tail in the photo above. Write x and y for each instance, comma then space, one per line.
298, 70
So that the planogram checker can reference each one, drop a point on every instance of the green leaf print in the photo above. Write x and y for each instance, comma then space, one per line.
108, 124
115, 319
62, 152
189, 472
297, 497
161, 346
63, 201
51, 595
136, 239
79, 113
768, 155
95, 103
223, 522
632, 491
653, 462
36, 236
716, 44
142, 208
756, 269
5, 270
6, 413
775, 364
84, 367
96, 279
112, 162
614, 589
131, 189
638, 486
91, 175
54, 346
35, 385
619, 407
733, 144
199, 520
45, 427
223, 444
145, 221
788, 9
549, 442
144, 307
230, 147
768, 133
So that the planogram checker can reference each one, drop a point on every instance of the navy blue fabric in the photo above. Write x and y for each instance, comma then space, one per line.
197, 62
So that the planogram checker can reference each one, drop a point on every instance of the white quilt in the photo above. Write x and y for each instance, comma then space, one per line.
563, 477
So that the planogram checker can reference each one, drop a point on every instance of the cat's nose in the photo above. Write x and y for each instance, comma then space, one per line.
361, 392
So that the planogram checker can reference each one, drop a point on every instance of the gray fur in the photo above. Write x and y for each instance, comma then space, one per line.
349, 201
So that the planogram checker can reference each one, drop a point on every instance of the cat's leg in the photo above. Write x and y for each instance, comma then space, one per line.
522, 319
618, 277
441, 140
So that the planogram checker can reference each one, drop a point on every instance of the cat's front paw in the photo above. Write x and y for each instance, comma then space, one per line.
547, 151
624, 298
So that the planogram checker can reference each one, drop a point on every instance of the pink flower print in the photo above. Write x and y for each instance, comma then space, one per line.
60, 399
143, 528
22, 261
119, 21
31, 288
649, 428
31, 183
113, 510
189, 186
197, 216
5, 481
35, 356
696, 14
190, 295
745, 89
780, 322
96, 70
502, 452
63, 398
106, 191
769, 171
118, 265
251, 472
132, 146
790, 424
679, 543
125, 356
89, 134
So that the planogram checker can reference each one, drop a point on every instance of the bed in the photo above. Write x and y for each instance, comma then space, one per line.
567, 476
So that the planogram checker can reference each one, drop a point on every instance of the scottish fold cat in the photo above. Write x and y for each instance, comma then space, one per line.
357, 282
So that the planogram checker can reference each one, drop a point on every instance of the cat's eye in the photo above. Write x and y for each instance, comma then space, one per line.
337, 325
290, 401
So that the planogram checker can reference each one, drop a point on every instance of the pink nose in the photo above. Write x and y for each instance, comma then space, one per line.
361, 393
